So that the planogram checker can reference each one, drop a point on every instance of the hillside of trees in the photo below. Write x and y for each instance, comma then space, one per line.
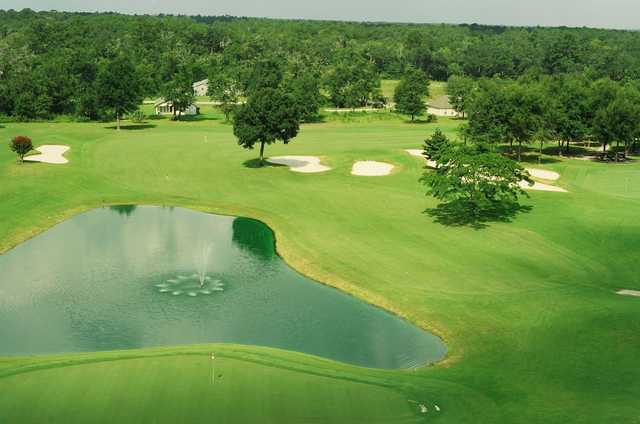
55, 63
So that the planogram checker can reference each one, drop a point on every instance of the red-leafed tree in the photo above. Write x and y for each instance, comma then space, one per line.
21, 145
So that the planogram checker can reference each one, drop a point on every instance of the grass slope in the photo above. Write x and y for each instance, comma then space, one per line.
436, 88
167, 387
535, 331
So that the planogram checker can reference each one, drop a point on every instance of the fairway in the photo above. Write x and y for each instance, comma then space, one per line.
436, 88
528, 309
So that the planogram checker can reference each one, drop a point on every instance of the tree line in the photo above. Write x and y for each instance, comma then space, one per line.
567, 109
56, 63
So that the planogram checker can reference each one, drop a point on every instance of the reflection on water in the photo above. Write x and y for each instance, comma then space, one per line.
130, 277
123, 209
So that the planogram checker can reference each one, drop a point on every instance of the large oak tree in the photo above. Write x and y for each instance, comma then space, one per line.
118, 86
270, 115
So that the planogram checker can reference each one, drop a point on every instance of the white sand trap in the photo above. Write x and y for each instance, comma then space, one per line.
49, 154
634, 293
304, 164
543, 174
416, 152
419, 153
371, 168
541, 187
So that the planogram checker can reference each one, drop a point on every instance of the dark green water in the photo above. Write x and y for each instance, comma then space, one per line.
133, 277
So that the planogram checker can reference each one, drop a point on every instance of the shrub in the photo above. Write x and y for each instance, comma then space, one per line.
137, 117
21, 145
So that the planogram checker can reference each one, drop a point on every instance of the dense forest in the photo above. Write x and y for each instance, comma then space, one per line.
51, 62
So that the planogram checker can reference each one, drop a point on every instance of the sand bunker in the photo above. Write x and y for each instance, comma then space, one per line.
49, 154
304, 164
536, 173
419, 153
543, 174
541, 187
371, 168
635, 293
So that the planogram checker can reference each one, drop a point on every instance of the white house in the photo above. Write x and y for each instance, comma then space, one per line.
201, 88
164, 107
440, 106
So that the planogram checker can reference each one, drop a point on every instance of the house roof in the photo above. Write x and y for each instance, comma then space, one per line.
199, 83
440, 102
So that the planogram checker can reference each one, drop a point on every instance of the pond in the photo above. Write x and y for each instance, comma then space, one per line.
130, 277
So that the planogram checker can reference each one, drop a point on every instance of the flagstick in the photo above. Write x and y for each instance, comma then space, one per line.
213, 369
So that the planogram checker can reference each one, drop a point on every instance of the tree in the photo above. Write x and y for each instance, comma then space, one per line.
421, 53
436, 146
410, 93
626, 117
506, 112
567, 113
179, 91
526, 114
475, 176
619, 121
488, 113
225, 89
352, 82
118, 87
305, 89
460, 89
21, 145
266, 73
563, 54
603, 94
268, 116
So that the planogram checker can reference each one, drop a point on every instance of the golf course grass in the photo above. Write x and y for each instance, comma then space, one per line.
528, 309
388, 87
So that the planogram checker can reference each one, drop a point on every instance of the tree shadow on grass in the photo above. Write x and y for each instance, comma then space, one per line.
462, 213
573, 150
534, 158
196, 118
255, 164
419, 121
133, 127
318, 119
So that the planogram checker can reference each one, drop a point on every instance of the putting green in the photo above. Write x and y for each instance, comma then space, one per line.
188, 388
529, 310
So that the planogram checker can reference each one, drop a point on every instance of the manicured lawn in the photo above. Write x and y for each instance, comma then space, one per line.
436, 88
528, 310
189, 387
388, 87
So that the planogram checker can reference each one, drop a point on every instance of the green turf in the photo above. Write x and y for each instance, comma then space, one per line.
189, 387
388, 88
528, 310
436, 88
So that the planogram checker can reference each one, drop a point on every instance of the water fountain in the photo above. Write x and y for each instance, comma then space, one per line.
204, 261
196, 284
